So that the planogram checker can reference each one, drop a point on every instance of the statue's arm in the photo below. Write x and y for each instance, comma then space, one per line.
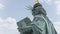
26, 28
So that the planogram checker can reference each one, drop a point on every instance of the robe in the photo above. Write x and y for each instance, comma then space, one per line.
41, 24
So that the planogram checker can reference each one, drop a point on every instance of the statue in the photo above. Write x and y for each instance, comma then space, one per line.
40, 24
24, 26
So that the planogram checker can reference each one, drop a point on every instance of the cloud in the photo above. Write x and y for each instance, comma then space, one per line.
57, 26
9, 32
8, 25
3, 1
47, 1
1, 6
57, 4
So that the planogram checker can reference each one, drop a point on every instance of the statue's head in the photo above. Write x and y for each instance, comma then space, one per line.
38, 9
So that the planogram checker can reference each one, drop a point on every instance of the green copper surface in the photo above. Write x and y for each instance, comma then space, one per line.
40, 24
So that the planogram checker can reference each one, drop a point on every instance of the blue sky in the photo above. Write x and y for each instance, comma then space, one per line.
12, 11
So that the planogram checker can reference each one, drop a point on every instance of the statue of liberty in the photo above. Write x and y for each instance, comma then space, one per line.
40, 24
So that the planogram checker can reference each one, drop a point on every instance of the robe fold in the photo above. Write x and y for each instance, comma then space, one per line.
41, 24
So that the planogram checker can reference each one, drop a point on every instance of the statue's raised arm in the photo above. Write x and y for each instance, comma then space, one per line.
36, 1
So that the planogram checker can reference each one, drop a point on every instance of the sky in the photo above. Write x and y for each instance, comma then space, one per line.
12, 11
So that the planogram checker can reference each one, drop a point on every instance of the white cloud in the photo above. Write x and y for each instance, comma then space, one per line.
47, 1
3, 1
57, 4
8, 25
1, 6
1, 21
57, 26
54, 2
